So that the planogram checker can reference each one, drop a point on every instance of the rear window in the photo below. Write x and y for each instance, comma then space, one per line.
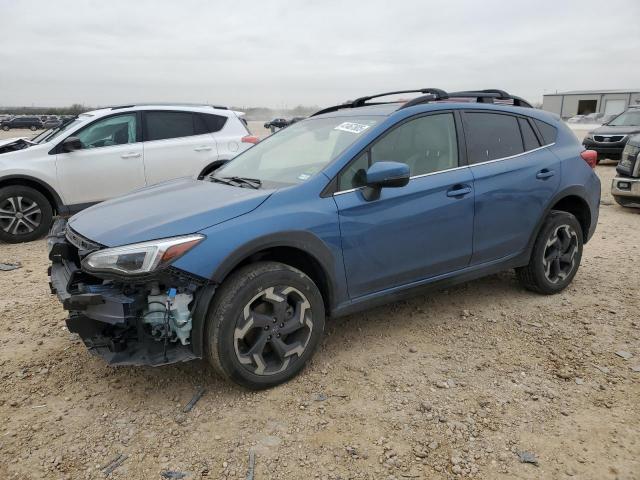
528, 135
491, 136
548, 132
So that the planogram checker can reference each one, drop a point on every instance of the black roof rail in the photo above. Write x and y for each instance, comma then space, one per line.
490, 94
431, 95
165, 104
434, 93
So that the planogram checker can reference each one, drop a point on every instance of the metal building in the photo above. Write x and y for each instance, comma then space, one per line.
584, 102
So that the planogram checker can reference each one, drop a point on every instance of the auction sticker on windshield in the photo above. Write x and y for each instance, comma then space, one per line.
352, 127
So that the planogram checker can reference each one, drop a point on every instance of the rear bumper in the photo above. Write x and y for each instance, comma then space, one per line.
106, 315
626, 187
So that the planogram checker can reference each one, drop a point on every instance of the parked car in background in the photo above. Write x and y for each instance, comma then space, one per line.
276, 123
32, 123
109, 152
359, 205
625, 187
610, 139
52, 123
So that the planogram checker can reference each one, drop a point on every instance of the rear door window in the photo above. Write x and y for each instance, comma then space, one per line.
491, 136
528, 135
164, 125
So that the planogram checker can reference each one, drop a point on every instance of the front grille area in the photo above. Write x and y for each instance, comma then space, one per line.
608, 138
80, 242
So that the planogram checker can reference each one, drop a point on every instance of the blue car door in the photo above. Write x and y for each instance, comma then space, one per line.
515, 177
410, 233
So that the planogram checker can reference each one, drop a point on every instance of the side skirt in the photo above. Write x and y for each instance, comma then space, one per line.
439, 282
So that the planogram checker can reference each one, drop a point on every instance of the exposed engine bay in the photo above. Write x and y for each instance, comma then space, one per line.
13, 144
141, 321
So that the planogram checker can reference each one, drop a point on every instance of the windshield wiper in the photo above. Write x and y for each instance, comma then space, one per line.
242, 182
250, 182
221, 180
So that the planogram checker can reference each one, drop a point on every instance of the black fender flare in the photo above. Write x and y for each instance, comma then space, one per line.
58, 203
300, 240
573, 191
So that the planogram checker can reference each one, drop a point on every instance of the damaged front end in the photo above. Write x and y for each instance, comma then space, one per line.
141, 319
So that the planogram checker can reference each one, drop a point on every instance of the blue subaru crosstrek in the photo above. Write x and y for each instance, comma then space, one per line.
361, 204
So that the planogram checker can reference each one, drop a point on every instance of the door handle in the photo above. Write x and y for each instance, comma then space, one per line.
130, 155
459, 191
544, 174
203, 148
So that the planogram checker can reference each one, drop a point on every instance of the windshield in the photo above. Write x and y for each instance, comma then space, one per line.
627, 119
52, 133
296, 153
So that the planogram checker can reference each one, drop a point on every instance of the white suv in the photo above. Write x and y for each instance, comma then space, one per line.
106, 153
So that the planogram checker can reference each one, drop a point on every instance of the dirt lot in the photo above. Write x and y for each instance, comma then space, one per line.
457, 383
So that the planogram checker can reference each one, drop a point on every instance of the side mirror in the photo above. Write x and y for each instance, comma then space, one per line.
71, 144
385, 175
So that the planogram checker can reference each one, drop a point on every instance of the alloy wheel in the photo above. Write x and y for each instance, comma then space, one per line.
19, 215
559, 253
273, 330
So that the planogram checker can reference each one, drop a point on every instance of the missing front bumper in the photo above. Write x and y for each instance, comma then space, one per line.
108, 315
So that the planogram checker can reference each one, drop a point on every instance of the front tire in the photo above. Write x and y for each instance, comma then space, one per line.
556, 255
25, 214
266, 321
5, 128
33, 128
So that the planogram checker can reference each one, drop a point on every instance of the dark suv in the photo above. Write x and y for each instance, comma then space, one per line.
358, 205
625, 188
610, 139
32, 123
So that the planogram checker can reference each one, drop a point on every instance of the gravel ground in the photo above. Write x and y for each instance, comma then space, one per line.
460, 383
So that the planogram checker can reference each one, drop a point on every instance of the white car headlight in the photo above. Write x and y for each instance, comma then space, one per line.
140, 258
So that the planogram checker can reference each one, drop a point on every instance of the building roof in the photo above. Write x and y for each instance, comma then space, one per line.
593, 92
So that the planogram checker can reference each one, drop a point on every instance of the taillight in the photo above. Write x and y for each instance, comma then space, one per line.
591, 157
250, 139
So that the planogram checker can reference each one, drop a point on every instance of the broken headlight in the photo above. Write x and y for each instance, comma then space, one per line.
140, 258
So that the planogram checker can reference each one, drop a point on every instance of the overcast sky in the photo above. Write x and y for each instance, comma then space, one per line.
281, 53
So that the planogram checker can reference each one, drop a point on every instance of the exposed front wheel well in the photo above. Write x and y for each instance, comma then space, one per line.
53, 201
296, 258
579, 208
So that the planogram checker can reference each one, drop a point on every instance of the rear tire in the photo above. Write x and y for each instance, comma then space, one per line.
265, 322
556, 255
25, 214
33, 128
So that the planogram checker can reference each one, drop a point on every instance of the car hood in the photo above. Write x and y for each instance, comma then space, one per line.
177, 207
613, 130
7, 143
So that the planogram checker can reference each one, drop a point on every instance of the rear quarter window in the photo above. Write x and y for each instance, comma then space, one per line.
548, 132
212, 123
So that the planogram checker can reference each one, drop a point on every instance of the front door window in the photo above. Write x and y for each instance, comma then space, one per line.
117, 130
